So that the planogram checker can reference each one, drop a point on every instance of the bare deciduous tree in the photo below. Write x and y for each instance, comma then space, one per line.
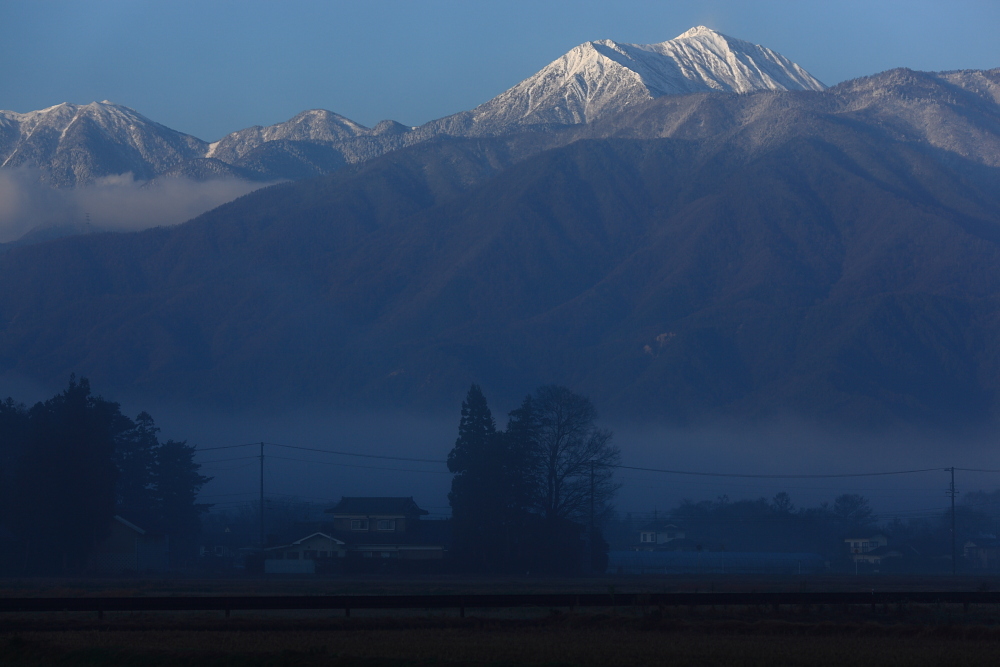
576, 457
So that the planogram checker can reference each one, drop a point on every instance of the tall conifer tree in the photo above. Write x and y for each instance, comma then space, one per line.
135, 457
176, 483
474, 487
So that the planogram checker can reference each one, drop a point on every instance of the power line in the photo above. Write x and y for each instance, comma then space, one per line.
222, 495
749, 476
621, 467
239, 467
325, 451
367, 456
352, 465
212, 449
237, 458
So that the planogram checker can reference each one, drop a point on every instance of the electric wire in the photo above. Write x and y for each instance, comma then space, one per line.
212, 449
367, 456
618, 466
236, 458
777, 476
353, 465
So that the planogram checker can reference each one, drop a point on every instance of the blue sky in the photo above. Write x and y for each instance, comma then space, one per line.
209, 67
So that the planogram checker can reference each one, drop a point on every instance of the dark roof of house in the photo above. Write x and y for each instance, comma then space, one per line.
307, 537
661, 525
128, 524
386, 506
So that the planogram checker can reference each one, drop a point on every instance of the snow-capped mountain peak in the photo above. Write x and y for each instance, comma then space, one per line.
605, 76
318, 125
77, 143
727, 63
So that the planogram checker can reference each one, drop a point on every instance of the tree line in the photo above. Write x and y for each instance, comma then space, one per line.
530, 497
777, 525
69, 464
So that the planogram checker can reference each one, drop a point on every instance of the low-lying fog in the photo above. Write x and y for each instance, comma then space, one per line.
111, 204
779, 448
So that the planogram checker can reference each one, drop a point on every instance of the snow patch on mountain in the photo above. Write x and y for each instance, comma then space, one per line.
605, 76
78, 143
315, 125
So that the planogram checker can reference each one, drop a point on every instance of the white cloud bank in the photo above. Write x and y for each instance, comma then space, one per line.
112, 204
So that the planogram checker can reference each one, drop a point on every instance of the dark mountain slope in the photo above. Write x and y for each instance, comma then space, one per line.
796, 259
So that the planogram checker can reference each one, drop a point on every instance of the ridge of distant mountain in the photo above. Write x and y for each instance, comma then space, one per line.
606, 77
825, 254
78, 144
957, 113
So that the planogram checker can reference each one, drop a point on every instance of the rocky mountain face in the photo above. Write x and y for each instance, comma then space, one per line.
830, 254
606, 77
76, 145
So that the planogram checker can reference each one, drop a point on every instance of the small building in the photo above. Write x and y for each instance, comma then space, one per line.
873, 550
876, 557
383, 516
862, 545
216, 551
129, 548
982, 553
309, 555
384, 528
656, 534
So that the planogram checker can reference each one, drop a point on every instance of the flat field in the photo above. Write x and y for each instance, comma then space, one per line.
393, 584
816, 635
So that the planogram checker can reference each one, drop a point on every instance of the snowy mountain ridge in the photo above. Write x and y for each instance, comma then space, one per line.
312, 125
597, 78
78, 143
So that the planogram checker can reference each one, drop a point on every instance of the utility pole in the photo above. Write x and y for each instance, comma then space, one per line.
590, 565
262, 504
952, 492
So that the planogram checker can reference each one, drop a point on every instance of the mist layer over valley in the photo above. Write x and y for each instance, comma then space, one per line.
33, 211
828, 255
687, 257
652, 290
776, 448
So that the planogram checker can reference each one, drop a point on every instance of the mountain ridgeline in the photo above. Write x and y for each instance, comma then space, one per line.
74, 145
827, 253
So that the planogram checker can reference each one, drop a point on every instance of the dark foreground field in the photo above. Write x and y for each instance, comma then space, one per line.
561, 639
911, 634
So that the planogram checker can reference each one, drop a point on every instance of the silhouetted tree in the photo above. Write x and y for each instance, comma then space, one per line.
175, 486
135, 456
853, 511
475, 489
576, 458
13, 431
782, 503
521, 488
521, 498
65, 496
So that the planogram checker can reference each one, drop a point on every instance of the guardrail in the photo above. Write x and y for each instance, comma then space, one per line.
485, 601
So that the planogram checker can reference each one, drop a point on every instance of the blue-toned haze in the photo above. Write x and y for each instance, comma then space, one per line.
209, 68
